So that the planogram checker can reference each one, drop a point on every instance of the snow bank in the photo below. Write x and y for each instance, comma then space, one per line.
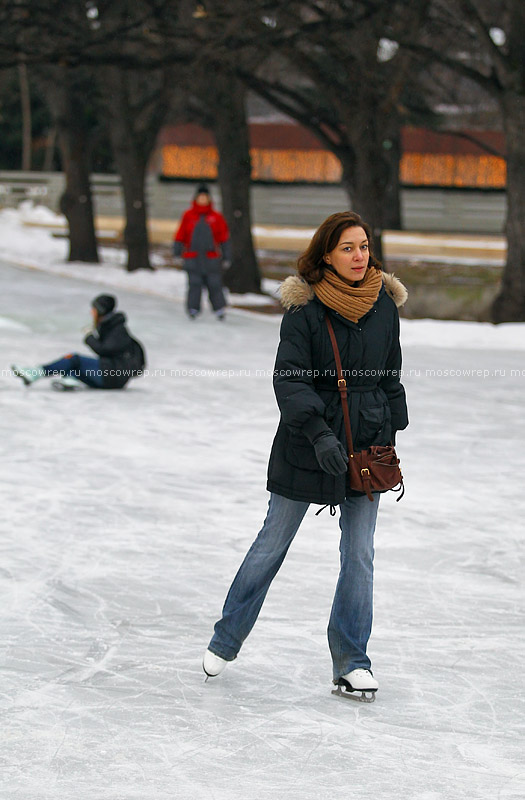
29, 212
32, 245
466, 335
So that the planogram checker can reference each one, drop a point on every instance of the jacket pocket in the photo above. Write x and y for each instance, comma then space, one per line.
374, 426
299, 452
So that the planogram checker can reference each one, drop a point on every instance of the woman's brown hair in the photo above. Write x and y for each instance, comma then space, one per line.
311, 264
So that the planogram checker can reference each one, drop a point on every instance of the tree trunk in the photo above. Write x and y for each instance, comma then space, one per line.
234, 172
509, 305
371, 173
392, 153
47, 166
131, 165
76, 204
133, 172
25, 101
76, 201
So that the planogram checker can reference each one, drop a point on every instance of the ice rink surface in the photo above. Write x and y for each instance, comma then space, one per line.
126, 514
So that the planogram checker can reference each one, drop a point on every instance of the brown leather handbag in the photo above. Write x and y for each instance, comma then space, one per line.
375, 469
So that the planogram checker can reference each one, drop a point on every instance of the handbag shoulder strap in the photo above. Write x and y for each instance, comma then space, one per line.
341, 385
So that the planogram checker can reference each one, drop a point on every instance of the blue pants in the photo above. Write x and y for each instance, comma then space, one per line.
84, 368
351, 617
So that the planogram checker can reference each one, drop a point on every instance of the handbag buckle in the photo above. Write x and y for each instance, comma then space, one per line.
365, 470
341, 382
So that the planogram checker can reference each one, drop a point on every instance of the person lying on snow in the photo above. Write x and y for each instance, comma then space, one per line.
119, 356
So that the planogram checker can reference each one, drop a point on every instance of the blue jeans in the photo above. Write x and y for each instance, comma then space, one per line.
351, 617
84, 368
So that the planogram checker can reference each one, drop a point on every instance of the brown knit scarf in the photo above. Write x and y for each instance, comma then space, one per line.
352, 302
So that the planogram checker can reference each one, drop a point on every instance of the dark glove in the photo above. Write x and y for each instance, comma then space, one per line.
330, 453
177, 253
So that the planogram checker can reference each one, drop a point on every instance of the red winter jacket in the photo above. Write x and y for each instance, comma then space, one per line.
214, 219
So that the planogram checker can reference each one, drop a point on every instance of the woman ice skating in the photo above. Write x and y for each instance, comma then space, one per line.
120, 356
339, 279
203, 240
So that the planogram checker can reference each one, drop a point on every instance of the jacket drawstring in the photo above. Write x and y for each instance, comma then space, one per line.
332, 510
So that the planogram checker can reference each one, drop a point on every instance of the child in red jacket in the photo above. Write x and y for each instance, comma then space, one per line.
203, 241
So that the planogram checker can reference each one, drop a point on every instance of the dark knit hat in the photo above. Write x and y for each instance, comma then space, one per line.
104, 304
202, 189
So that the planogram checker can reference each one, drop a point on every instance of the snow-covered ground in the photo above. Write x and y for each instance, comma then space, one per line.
34, 247
126, 515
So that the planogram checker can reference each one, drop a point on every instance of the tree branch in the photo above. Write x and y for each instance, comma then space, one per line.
310, 118
474, 140
499, 60
490, 83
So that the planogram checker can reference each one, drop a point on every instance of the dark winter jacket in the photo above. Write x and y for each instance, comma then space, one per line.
116, 349
202, 238
305, 383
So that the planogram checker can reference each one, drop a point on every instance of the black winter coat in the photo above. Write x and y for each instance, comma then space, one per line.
305, 384
114, 346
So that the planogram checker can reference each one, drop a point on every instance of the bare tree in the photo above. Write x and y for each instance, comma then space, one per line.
215, 98
66, 91
135, 106
136, 88
230, 127
484, 41
343, 78
127, 40
88, 32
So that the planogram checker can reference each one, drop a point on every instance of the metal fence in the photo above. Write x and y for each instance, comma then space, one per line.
290, 205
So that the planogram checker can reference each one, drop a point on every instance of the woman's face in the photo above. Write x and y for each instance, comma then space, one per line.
350, 256
94, 314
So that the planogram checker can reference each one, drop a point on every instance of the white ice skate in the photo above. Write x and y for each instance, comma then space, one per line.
213, 665
67, 383
358, 685
28, 374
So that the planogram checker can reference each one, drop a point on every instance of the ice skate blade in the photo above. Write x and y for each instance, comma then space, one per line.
208, 675
60, 387
364, 697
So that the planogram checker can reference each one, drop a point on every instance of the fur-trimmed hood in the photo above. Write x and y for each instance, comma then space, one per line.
294, 291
